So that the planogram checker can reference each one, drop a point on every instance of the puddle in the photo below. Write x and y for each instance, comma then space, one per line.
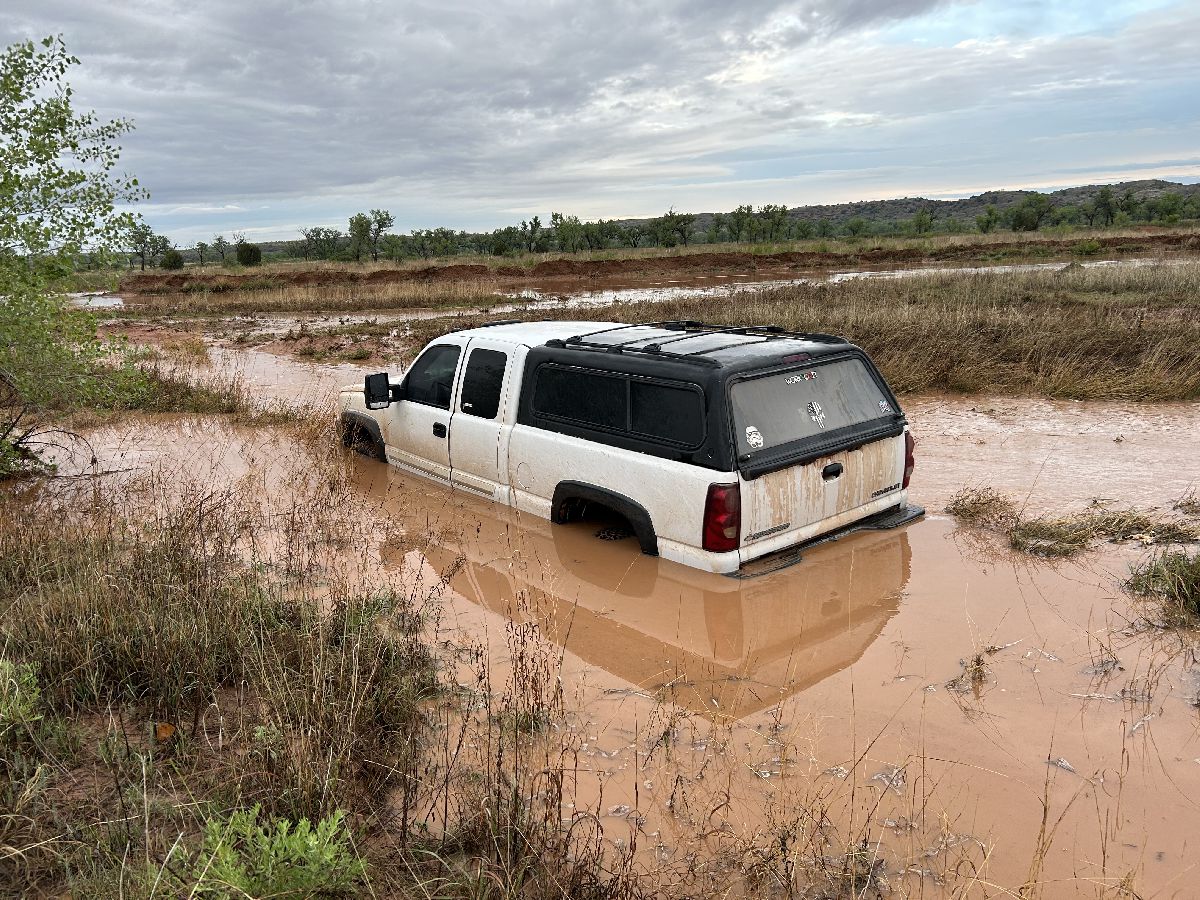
719, 286
711, 706
96, 300
272, 377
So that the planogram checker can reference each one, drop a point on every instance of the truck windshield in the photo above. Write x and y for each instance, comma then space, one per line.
774, 410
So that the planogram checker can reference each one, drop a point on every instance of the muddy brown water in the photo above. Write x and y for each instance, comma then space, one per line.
710, 710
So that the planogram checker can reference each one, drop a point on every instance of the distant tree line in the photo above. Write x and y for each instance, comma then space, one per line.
369, 236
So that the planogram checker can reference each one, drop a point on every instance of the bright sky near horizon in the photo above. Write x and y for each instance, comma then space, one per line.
263, 117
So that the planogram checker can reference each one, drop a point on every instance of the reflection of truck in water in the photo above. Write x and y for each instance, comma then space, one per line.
721, 647
718, 446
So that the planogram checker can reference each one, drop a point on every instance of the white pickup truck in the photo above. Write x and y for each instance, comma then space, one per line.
720, 447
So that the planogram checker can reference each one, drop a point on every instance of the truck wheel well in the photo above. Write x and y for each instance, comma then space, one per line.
572, 499
362, 434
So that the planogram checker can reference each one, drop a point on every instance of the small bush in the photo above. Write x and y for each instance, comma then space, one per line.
1089, 247
243, 858
20, 698
172, 259
249, 254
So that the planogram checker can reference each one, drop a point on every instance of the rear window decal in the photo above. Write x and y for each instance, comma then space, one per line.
885, 407
816, 413
754, 438
801, 377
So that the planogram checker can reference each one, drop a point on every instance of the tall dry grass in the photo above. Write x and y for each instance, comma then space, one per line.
1117, 333
175, 652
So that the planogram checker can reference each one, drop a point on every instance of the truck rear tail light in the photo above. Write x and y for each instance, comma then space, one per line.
722, 518
910, 461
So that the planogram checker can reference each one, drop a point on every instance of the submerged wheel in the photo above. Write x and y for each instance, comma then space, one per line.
359, 439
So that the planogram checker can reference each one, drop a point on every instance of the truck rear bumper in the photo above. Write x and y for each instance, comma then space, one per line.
887, 519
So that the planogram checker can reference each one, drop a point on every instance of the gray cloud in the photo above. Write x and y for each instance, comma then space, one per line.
267, 115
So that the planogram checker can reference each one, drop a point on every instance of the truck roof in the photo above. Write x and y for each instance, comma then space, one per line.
681, 342
531, 334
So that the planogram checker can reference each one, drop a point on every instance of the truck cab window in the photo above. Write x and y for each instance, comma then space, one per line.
483, 382
588, 398
431, 379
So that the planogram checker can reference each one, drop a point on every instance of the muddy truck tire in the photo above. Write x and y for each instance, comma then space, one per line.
362, 437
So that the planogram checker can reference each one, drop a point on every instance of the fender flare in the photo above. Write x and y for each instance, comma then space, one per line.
634, 512
354, 421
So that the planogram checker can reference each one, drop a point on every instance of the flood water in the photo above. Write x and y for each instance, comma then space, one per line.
710, 709
568, 293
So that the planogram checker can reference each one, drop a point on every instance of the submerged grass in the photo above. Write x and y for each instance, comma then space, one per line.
1173, 579
1066, 535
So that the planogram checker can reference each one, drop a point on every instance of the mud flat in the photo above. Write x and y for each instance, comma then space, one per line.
923, 696
688, 263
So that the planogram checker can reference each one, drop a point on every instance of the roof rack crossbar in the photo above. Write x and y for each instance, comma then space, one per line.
724, 347
583, 337
688, 335
668, 325
690, 329
610, 348
776, 332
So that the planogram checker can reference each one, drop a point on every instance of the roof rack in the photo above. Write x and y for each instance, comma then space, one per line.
500, 322
690, 329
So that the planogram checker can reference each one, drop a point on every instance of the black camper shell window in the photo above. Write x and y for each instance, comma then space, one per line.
666, 412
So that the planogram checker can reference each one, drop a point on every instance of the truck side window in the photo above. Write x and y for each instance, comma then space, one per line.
585, 397
483, 383
431, 379
668, 413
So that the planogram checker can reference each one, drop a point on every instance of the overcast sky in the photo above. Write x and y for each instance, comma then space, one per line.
265, 116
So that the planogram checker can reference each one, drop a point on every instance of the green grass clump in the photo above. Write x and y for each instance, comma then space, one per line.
245, 856
1172, 578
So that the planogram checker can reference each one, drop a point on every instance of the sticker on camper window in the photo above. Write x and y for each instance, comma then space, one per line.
801, 377
754, 438
885, 407
816, 413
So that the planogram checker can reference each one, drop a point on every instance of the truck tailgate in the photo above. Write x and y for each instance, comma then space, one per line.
798, 499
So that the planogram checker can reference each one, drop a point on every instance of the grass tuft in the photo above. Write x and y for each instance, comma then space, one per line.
1172, 578
1066, 536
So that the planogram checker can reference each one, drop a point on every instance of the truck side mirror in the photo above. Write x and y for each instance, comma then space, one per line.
377, 391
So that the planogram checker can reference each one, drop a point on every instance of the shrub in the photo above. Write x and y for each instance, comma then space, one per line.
20, 697
243, 858
1088, 247
249, 254
171, 259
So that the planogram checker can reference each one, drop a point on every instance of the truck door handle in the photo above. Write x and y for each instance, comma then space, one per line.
439, 430
831, 471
